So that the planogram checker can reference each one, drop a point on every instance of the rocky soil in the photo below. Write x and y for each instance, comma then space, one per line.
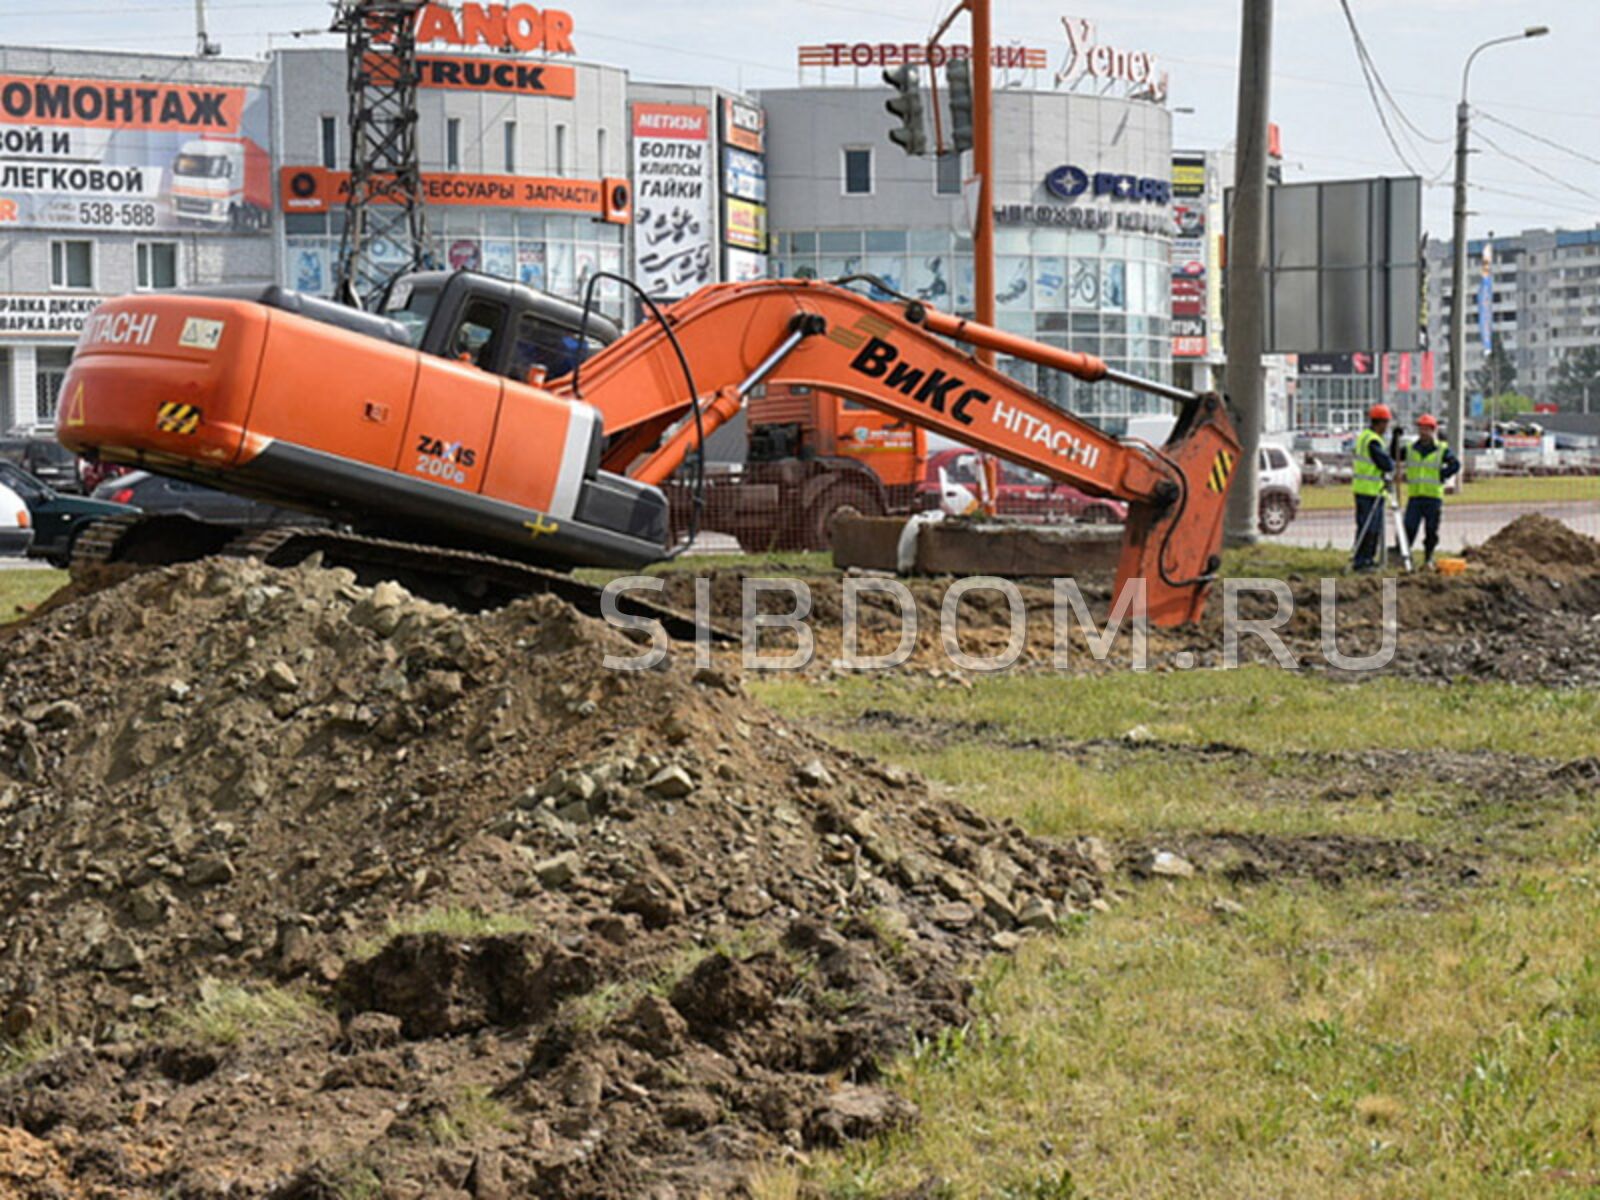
311, 890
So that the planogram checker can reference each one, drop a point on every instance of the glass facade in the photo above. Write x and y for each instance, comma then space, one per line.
1105, 294
551, 251
1338, 401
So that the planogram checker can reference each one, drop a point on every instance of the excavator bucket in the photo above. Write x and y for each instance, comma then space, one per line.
1175, 548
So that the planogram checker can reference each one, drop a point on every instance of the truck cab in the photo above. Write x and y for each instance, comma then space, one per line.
220, 182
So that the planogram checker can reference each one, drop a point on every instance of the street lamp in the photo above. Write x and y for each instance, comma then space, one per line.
1458, 269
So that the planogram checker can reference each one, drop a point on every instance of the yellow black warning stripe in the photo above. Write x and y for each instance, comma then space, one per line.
1221, 468
178, 418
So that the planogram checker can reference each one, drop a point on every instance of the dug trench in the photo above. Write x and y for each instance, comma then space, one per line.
310, 889
1525, 611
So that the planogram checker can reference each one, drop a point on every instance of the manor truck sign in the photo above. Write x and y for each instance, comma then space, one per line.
497, 26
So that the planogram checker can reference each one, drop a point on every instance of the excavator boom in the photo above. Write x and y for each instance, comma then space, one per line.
897, 360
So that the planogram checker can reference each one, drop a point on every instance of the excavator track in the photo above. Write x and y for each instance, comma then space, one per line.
463, 578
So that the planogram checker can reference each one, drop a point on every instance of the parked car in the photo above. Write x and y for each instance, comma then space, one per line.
16, 526
38, 453
57, 518
1280, 478
159, 496
1279, 498
1024, 494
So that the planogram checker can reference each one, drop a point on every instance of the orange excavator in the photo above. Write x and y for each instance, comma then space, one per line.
478, 430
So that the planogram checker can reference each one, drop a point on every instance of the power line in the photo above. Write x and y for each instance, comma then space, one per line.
1367, 59
1537, 170
1374, 82
1528, 133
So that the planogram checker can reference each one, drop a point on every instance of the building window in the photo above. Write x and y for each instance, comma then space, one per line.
452, 144
72, 265
857, 171
330, 143
158, 265
561, 149
50, 371
600, 151
511, 147
947, 174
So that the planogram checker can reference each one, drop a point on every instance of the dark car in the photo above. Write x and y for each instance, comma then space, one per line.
57, 518
157, 495
40, 455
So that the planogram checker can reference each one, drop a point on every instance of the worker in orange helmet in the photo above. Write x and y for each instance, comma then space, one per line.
1430, 464
1372, 468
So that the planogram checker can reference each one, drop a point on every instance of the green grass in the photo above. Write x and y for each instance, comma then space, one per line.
1325, 1044
1415, 1038
229, 1013
472, 1115
1550, 488
21, 590
1261, 709
452, 922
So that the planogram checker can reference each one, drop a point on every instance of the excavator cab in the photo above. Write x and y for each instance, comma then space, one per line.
499, 326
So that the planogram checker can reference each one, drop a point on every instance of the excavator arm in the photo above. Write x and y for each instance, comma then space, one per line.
733, 337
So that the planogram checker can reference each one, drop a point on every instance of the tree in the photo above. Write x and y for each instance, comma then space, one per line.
1579, 369
1498, 373
1507, 405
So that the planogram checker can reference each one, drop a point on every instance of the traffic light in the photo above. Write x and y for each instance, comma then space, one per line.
906, 104
958, 76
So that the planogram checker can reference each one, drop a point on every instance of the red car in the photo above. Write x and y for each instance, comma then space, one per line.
1024, 495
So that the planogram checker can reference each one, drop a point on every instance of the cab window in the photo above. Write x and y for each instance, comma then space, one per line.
413, 307
541, 344
477, 338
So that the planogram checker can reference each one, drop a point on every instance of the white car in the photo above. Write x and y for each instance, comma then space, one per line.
16, 527
1279, 498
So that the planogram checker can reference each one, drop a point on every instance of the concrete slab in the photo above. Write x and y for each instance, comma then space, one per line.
1008, 549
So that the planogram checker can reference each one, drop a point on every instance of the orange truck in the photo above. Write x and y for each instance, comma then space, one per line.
811, 456
434, 439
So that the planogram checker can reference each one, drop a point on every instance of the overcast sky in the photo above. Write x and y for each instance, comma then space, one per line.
1546, 87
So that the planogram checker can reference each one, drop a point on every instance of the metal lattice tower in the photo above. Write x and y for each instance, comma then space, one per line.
385, 228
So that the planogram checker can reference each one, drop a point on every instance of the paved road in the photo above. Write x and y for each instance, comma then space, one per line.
1464, 524
9, 563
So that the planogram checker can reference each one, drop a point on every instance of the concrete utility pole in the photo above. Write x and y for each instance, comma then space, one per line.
1247, 268
983, 167
1458, 265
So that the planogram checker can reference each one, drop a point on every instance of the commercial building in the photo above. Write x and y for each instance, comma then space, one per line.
1082, 206
1544, 290
126, 172
514, 165
120, 173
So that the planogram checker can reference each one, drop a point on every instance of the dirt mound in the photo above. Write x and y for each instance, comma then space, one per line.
1538, 543
333, 891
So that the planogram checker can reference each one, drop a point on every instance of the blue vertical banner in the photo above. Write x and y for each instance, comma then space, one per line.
1486, 298
1485, 305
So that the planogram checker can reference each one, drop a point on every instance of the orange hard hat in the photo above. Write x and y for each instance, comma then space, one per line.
1379, 412
1427, 421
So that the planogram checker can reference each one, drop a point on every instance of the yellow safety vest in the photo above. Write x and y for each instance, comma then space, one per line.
1423, 471
1368, 478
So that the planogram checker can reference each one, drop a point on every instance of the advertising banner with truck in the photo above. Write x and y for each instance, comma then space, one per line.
121, 154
